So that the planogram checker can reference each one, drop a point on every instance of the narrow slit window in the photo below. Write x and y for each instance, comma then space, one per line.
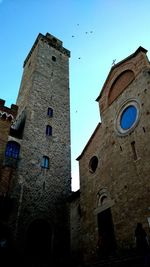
50, 112
48, 130
134, 150
45, 162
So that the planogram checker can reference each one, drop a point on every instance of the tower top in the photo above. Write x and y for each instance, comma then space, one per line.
51, 41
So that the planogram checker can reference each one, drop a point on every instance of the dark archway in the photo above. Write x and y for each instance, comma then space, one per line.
39, 241
106, 233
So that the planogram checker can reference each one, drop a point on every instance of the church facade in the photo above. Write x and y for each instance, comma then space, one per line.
114, 165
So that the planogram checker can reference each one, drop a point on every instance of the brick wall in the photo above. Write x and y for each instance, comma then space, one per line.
125, 179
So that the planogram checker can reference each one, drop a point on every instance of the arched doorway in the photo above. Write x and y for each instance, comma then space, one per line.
106, 232
39, 241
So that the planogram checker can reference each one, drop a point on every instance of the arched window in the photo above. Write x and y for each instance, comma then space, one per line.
93, 164
45, 162
12, 150
48, 130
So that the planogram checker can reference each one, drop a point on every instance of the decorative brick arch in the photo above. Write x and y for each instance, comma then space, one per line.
104, 200
120, 83
103, 197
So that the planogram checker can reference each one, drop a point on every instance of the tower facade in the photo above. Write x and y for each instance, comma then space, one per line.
41, 182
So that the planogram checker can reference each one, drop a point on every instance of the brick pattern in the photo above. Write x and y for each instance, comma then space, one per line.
119, 85
127, 180
136, 65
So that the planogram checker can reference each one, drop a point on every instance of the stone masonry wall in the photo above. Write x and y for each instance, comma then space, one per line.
126, 179
42, 192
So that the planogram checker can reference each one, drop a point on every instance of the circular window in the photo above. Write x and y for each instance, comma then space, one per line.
93, 164
127, 117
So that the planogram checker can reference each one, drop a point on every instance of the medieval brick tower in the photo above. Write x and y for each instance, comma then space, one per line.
40, 141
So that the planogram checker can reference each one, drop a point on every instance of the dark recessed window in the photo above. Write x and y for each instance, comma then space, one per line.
12, 150
53, 58
128, 117
48, 130
45, 162
50, 112
93, 164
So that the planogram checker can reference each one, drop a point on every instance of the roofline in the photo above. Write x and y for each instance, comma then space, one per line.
99, 124
52, 41
140, 49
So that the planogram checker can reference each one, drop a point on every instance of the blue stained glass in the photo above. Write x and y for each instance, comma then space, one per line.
128, 117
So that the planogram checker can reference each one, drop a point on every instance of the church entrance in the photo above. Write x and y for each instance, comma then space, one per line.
107, 243
39, 237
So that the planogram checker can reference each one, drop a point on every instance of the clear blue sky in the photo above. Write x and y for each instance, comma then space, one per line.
103, 30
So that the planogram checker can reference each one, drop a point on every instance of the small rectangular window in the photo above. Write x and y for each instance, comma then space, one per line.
50, 112
48, 130
45, 162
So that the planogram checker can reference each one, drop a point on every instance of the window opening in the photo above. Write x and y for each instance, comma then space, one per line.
45, 162
12, 150
93, 164
128, 117
48, 130
134, 150
54, 58
50, 112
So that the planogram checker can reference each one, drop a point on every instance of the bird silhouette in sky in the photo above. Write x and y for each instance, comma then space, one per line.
86, 32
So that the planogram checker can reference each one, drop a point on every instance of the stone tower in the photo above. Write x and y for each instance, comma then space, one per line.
42, 181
